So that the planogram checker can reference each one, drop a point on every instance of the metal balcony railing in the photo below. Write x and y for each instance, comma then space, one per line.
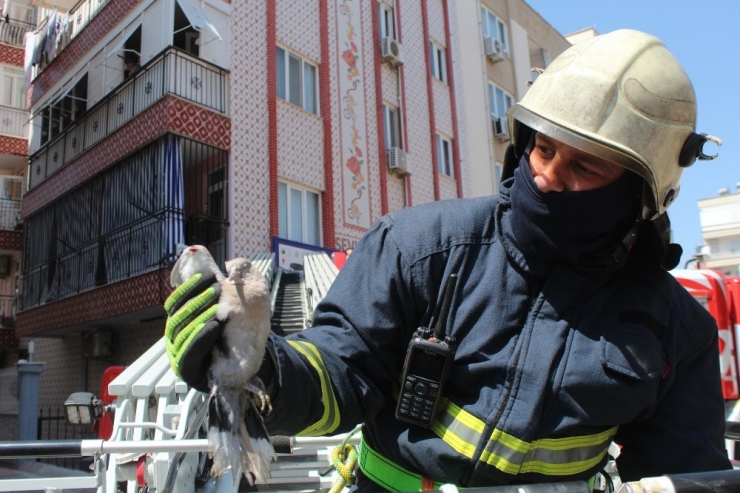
14, 122
134, 250
13, 32
172, 72
10, 214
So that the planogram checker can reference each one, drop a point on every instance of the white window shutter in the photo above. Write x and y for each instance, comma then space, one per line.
95, 77
113, 65
156, 29
211, 48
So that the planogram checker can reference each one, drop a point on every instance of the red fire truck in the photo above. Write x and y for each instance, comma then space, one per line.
721, 296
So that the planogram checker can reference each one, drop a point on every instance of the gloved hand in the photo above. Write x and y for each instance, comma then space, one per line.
192, 330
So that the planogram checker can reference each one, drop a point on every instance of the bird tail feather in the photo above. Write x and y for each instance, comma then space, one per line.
256, 451
223, 439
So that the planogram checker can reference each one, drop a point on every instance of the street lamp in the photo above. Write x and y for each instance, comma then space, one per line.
83, 408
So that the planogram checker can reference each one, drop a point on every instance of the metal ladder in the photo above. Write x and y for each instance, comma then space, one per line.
290, 312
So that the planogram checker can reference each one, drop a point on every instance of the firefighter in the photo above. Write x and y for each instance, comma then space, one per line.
569, 332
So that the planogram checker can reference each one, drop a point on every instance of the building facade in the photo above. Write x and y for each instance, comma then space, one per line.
497, 60
17, 18
720, 228
237, 125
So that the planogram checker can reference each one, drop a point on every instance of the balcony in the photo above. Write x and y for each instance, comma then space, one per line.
173, 72
13, 122
126, 221
79, 17
13, 32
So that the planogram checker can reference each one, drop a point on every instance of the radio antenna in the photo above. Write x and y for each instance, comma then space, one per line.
439, 328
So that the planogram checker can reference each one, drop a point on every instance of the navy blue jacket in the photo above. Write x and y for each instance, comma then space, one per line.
547, 373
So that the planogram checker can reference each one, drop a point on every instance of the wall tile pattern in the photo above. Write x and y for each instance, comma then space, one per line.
122, 297
13, 146
11, 55
250, 166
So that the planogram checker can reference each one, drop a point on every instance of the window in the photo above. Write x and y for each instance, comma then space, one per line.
444, 156
439, 65
500, 102
186, 36
387, 26
58, 116
296, 80
14, 89
391, 127
735, 246
495, 28
299, 214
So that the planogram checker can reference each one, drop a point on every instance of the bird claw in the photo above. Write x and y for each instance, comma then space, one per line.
257, 389
265, 403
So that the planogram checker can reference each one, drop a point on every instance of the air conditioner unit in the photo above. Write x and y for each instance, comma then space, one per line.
493, 49
396, 158
391, 51
501, 129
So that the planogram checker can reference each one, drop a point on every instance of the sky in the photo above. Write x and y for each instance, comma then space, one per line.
704, 37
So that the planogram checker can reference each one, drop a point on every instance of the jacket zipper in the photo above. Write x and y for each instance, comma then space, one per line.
510, 375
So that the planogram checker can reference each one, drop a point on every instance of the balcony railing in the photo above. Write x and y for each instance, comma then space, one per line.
13, 32
14, 122
172, 72
10, 214
134, 250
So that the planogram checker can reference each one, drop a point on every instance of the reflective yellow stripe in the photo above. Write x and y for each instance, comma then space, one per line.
330, 419
550, 456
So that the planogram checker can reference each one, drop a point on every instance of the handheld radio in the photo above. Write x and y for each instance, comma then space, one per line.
426, 368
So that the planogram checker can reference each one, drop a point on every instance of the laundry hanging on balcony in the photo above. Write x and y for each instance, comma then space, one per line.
174, 197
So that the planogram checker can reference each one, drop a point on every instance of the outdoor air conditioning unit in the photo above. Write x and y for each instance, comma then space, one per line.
500, 129
391, 51
494, 50
396, 158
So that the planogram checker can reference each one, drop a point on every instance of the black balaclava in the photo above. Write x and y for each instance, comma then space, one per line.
580, 229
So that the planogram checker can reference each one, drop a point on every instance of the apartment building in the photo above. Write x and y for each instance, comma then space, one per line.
17, 19
497, 60
245, 127
720, 228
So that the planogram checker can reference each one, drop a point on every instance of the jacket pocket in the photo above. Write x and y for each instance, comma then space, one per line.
632, 352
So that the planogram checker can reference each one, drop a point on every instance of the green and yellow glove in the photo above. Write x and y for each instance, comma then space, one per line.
192, 330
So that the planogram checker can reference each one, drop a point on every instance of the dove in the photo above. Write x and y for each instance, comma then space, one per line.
236, 432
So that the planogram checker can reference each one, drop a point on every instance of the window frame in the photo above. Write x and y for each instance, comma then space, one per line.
388, 110
493, 100
285, 219
387, 21
285, 71
17, 89
438, 62
500, 30
444, 156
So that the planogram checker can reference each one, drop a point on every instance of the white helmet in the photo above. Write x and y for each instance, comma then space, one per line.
621, 96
